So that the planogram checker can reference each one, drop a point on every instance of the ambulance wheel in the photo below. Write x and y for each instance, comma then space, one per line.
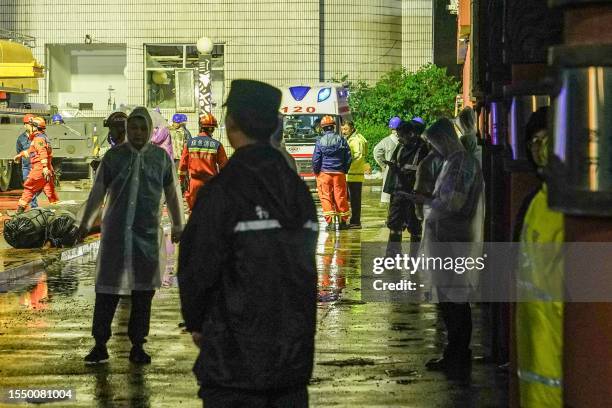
6, 171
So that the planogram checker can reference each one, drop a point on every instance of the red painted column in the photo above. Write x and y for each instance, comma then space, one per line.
587, 356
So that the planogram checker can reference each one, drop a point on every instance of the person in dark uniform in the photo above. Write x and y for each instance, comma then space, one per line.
401, 177
247, 273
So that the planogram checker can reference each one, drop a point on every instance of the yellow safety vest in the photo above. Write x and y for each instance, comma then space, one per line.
539, 324
359, 152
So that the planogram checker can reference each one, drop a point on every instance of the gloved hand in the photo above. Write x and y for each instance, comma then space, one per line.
46, 173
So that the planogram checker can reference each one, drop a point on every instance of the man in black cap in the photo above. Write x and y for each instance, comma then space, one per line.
250, 303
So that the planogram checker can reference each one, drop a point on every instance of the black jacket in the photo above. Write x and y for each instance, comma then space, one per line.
247, 274
405, 159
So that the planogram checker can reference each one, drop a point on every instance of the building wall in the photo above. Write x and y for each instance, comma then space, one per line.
363, 39
277, 41
417, 33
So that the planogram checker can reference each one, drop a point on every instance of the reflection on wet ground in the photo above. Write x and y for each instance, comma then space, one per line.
367, 354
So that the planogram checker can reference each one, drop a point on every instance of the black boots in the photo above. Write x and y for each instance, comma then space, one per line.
139, 356
97, 355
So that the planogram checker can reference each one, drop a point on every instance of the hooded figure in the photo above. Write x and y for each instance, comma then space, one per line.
454, 229
161, 137
465, 124
132, 180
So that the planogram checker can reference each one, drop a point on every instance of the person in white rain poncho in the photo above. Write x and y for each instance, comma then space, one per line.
384, 150
130, 181
453, 229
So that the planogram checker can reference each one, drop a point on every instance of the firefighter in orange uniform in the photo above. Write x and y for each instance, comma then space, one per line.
202, 159
331, 161
41, 176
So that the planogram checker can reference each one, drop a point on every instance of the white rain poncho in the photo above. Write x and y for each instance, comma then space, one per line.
130, 182
384, 151
456, 218
465, 124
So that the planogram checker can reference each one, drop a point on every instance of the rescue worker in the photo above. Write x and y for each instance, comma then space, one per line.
116, 123
130, 181
401, 177
23, 144
202, 159
331, 161
40, 153
456, 216
383, 151
359, 152
539, 318
180, 135
252, 235
117, 127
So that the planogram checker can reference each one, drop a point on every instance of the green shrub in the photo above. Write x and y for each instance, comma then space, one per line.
428, 92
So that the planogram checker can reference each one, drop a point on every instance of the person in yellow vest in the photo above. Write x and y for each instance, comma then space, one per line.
539, 311
359, 151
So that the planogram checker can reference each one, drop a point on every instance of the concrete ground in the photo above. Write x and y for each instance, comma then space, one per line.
367, 354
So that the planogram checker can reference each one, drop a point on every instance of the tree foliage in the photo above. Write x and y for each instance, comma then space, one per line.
428, 92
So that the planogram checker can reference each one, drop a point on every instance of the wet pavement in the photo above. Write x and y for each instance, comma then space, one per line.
367, 354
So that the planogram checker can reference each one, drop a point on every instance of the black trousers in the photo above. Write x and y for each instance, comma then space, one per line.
236, 398
354, 189
457, 318
140, 316
402, 216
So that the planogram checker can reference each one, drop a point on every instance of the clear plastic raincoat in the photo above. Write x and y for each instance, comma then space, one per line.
454, 225
131, 183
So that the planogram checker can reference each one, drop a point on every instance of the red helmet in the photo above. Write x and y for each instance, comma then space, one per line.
38, 122
27, 117
207, 121
327, 121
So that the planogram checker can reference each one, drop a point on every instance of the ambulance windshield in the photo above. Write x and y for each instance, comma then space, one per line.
301, 128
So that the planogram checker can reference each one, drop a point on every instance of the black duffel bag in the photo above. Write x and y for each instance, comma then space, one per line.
27, 230
61, 229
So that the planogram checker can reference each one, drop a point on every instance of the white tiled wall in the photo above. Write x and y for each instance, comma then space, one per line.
362, 38
417, 33
271, 40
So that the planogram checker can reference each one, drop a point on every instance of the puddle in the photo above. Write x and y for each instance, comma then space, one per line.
71, 273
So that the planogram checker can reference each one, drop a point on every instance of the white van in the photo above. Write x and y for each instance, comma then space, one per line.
303, 107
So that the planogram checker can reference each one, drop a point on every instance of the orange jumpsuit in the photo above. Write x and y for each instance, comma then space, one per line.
202, 159
332, 191
41, 155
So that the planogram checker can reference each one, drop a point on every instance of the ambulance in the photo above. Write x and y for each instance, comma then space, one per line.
302, 108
